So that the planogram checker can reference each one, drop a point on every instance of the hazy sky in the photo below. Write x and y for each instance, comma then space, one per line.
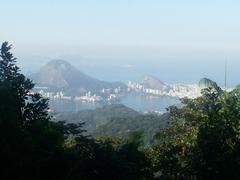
127, 30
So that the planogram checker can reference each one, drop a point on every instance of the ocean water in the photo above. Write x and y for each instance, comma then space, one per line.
149, 103
139, 103
171, 72
170, 69
72, 106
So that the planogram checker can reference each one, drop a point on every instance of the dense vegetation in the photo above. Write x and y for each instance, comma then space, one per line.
201, 141
33, 147
116, 120
93, 118
147, 124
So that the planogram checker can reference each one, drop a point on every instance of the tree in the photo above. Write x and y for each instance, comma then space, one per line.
31, 106
107, 158
34, 147
27, 134
217, 152
202, 140
10, 134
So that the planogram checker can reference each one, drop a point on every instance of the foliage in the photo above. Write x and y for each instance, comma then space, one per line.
93, 118
202, 139
107, 158
117, 120
149, 124
34, 147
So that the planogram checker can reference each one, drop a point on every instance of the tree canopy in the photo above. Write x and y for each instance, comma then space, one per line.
200, 141
34, 147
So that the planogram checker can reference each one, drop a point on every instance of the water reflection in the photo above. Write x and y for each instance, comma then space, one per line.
137, 102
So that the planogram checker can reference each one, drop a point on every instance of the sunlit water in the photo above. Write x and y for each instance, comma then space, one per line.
138, 103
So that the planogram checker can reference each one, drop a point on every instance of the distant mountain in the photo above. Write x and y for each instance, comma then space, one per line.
60, 75
96, 117
152, 82
205, 83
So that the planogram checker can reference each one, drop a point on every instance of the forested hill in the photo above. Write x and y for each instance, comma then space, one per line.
147, 124
93, 118
116, 120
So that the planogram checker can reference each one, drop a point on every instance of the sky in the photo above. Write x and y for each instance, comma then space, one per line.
187, 38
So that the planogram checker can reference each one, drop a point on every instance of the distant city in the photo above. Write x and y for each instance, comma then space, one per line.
59, 81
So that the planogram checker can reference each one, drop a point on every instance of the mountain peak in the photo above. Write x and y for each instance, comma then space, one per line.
60, 75
205, 82
58, 62
150, 81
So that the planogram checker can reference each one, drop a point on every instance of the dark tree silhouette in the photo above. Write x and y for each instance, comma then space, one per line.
34, 147
24, 116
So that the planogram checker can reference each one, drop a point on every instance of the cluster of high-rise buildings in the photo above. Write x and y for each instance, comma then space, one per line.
176, 90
